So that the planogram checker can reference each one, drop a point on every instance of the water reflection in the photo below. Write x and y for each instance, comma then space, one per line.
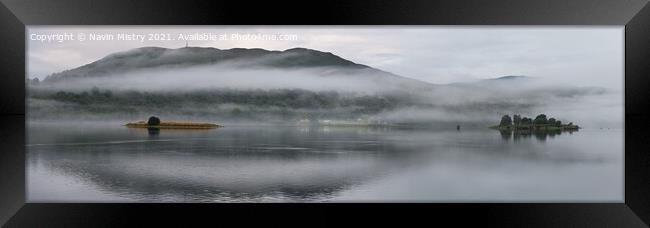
153, 131
235, 165
541, 135
295, 164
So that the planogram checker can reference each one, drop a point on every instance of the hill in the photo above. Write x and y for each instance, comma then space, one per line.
144, 58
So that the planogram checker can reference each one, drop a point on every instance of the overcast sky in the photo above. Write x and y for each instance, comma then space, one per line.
583, 56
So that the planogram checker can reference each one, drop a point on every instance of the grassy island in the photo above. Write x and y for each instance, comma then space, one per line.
154, 122
540, 123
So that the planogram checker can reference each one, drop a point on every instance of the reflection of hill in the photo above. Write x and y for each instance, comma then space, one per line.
171, 179
240, 166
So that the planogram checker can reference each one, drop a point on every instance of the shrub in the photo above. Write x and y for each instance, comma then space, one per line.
153, 121
540, 119
516, 119
506, 121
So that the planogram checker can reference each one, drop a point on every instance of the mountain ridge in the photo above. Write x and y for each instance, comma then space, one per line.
151, 57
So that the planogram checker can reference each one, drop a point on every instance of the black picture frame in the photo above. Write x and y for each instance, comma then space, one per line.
633, 14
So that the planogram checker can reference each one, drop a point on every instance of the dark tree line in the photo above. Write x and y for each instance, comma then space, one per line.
517, 120
282, 98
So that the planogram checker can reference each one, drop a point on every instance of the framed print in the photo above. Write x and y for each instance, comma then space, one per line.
531, 111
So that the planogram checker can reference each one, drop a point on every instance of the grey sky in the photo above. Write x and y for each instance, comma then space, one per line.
583, 56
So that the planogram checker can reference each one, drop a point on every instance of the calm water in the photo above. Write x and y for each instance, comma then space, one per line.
90, 162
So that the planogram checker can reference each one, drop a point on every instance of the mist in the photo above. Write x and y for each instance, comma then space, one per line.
220, 77
401, 100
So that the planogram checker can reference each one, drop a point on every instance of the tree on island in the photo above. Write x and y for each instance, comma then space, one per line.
539, 123
506, 121
540, 119
153, 121
516, 119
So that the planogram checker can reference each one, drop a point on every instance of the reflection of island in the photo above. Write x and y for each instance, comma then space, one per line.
538, 134
153, 131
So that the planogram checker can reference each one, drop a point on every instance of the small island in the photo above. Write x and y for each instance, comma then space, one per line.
155, 123
540, 123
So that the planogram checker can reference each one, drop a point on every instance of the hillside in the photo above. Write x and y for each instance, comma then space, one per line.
144, 58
